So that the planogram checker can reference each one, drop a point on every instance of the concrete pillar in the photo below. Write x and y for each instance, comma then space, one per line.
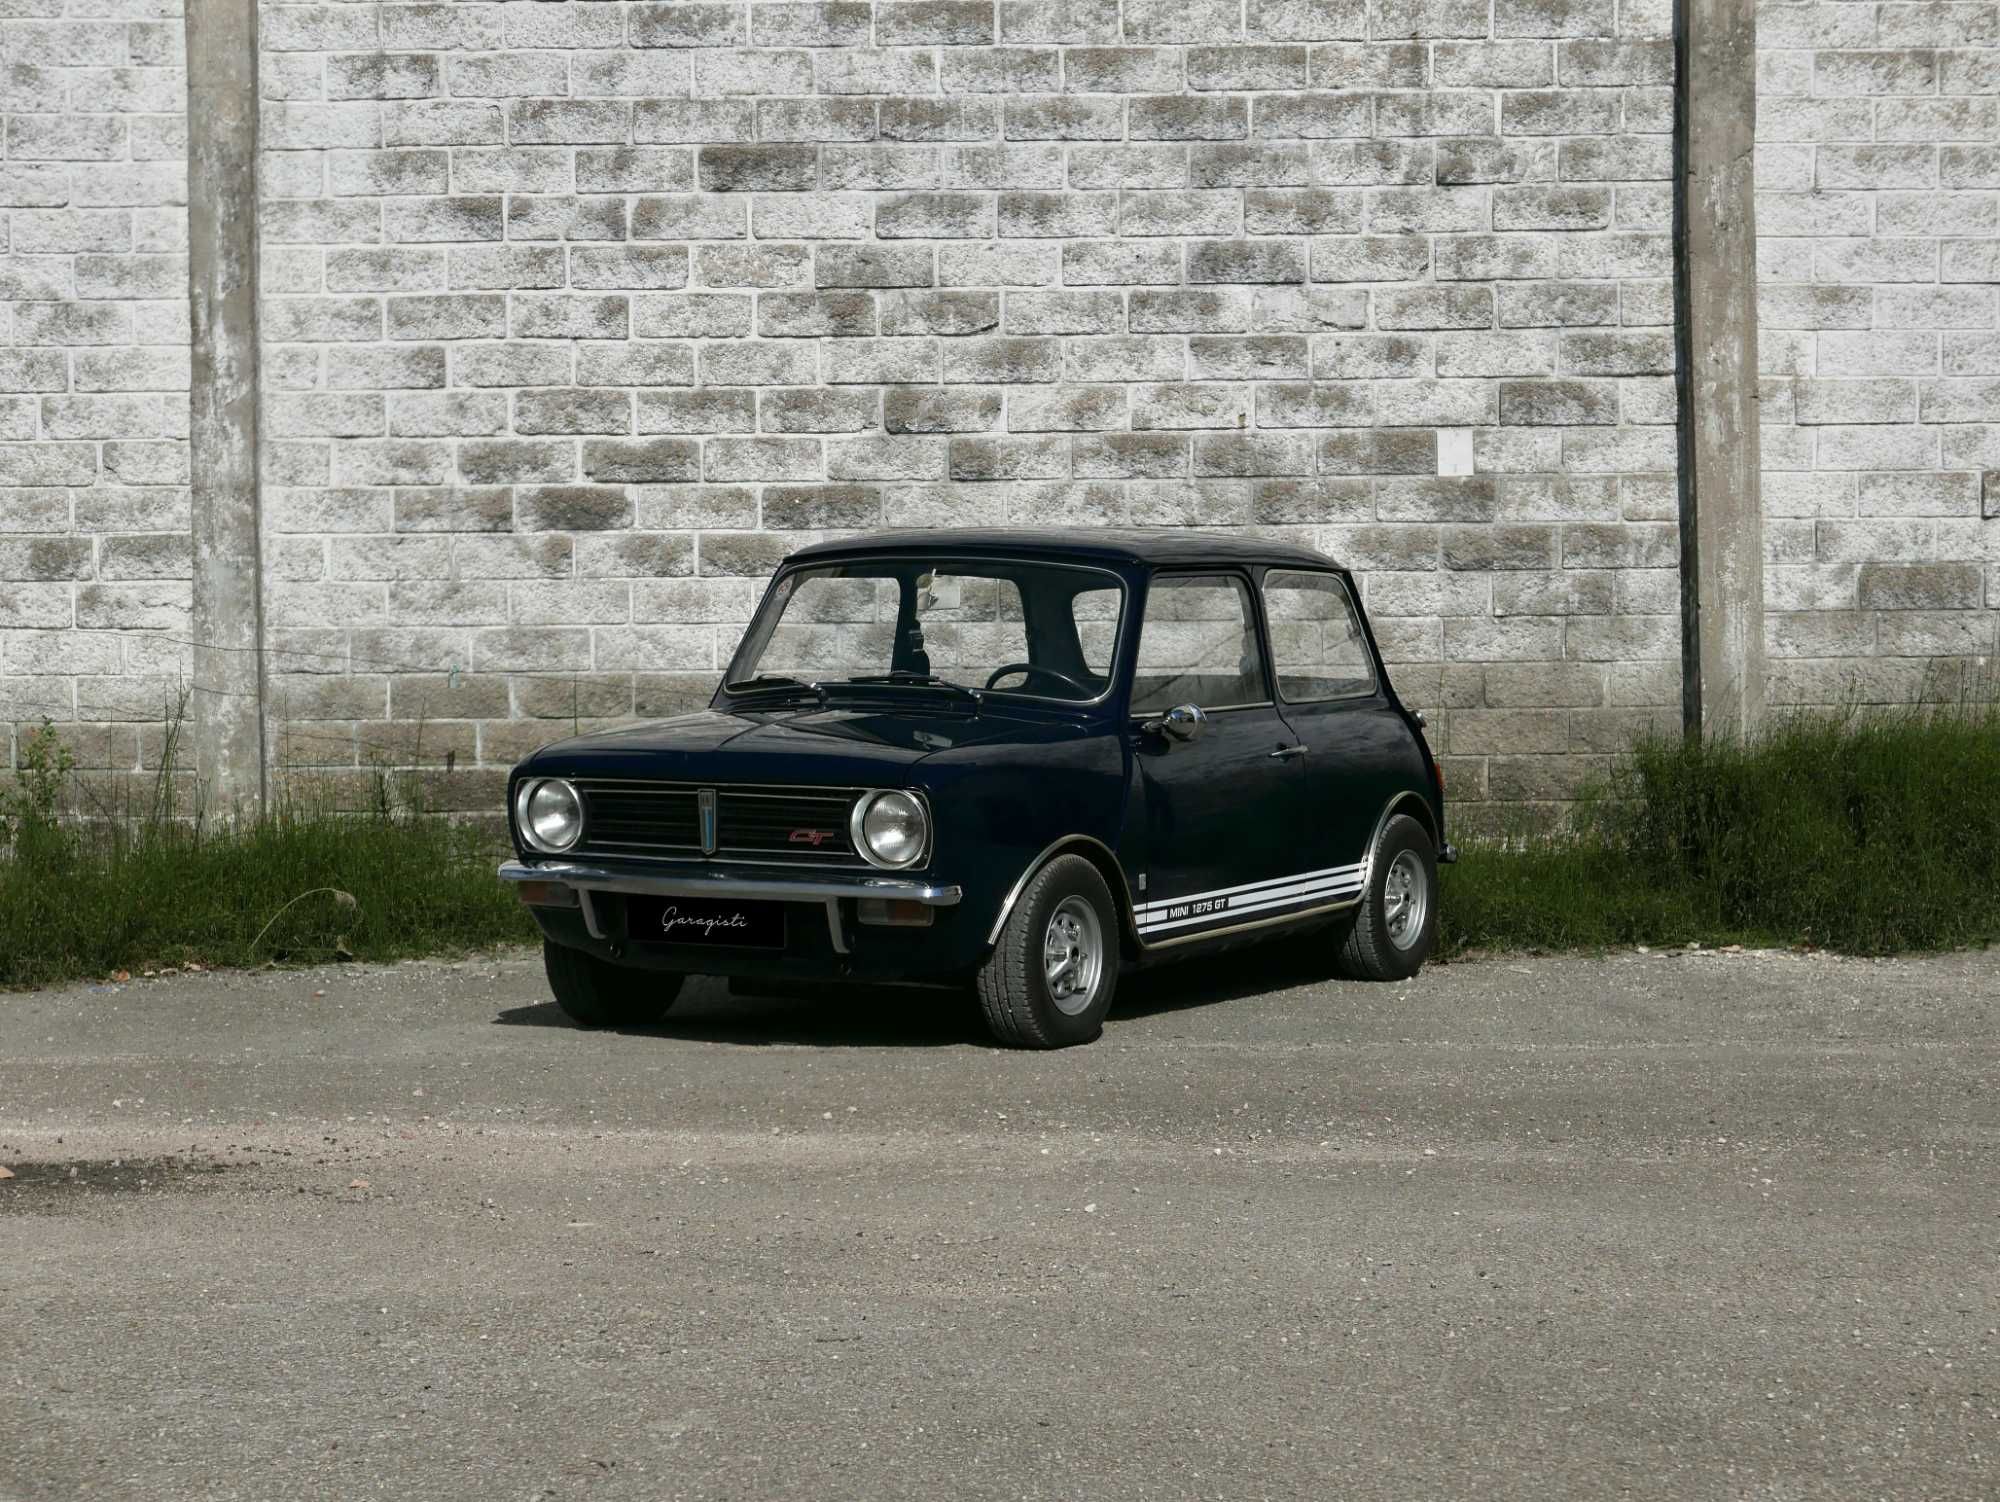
1722, 519
228, 704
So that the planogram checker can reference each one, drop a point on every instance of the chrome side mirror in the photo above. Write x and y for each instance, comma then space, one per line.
1181, 723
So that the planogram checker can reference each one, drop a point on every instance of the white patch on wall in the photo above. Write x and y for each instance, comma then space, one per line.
1454, 451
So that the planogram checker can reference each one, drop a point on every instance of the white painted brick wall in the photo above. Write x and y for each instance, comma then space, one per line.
579, 316
1878, 172
94, 560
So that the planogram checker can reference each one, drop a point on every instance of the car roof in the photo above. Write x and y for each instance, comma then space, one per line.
1161, 546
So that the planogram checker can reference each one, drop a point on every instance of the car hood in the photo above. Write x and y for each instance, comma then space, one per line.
847, 745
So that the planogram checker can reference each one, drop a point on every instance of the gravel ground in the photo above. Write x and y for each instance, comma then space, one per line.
1687, 1226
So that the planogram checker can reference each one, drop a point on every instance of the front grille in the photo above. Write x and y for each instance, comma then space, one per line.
803, 826
640, 818
784, 825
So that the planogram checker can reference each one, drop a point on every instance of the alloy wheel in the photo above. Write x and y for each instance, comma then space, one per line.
1406, 899
1073, 955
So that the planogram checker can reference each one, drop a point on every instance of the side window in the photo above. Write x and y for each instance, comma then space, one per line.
1198, 646
1094, 612
1316, 638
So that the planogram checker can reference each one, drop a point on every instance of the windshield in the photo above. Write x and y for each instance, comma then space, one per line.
1040, 629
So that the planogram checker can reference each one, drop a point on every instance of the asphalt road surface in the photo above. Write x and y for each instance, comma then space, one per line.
1682, 1226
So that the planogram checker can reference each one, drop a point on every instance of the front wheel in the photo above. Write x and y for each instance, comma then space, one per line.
1050, 979
1396, 927
597, 993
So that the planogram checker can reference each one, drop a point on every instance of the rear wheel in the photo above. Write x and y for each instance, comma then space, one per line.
1051, 977
597, 993
1396, 926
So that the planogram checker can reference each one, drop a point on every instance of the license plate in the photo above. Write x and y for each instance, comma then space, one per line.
712, 922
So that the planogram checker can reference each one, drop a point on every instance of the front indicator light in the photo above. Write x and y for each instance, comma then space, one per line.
893, 912
545, 894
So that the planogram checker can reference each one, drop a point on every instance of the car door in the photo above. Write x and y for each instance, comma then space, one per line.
1217, 783
1359, 752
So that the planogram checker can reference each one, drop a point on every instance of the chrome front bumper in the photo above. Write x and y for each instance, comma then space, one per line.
585, 880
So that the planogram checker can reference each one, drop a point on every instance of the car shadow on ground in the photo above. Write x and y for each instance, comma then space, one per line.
857, 1016
1252, 970
824, 1016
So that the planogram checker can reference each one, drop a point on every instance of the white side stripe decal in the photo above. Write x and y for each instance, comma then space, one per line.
1310, 889
1195, 907
1231, 914
1247, 888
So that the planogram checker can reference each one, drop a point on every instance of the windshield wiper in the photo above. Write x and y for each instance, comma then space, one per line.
913, 679
777, 683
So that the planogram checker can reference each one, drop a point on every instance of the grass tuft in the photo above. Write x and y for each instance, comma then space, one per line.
299, 886
83, 897
1863, 834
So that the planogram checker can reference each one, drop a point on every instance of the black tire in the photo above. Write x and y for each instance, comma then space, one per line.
1371, 950
1014, 988
597, 993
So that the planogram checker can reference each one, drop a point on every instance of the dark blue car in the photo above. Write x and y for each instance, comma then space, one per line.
1017, 761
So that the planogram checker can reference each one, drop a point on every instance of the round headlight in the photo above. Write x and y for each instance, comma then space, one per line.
890, 829
552, 815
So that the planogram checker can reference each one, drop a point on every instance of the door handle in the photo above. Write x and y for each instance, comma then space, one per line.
1284, 751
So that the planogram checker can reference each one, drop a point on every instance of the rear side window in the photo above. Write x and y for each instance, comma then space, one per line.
1316, 638
1198, 646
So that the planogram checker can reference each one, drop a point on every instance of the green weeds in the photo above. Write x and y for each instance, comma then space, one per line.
1863, 834
91, 892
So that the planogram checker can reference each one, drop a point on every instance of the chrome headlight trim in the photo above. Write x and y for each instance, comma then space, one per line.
857, 828
524, 799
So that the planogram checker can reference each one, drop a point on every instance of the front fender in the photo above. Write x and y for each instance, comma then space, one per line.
999, 813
